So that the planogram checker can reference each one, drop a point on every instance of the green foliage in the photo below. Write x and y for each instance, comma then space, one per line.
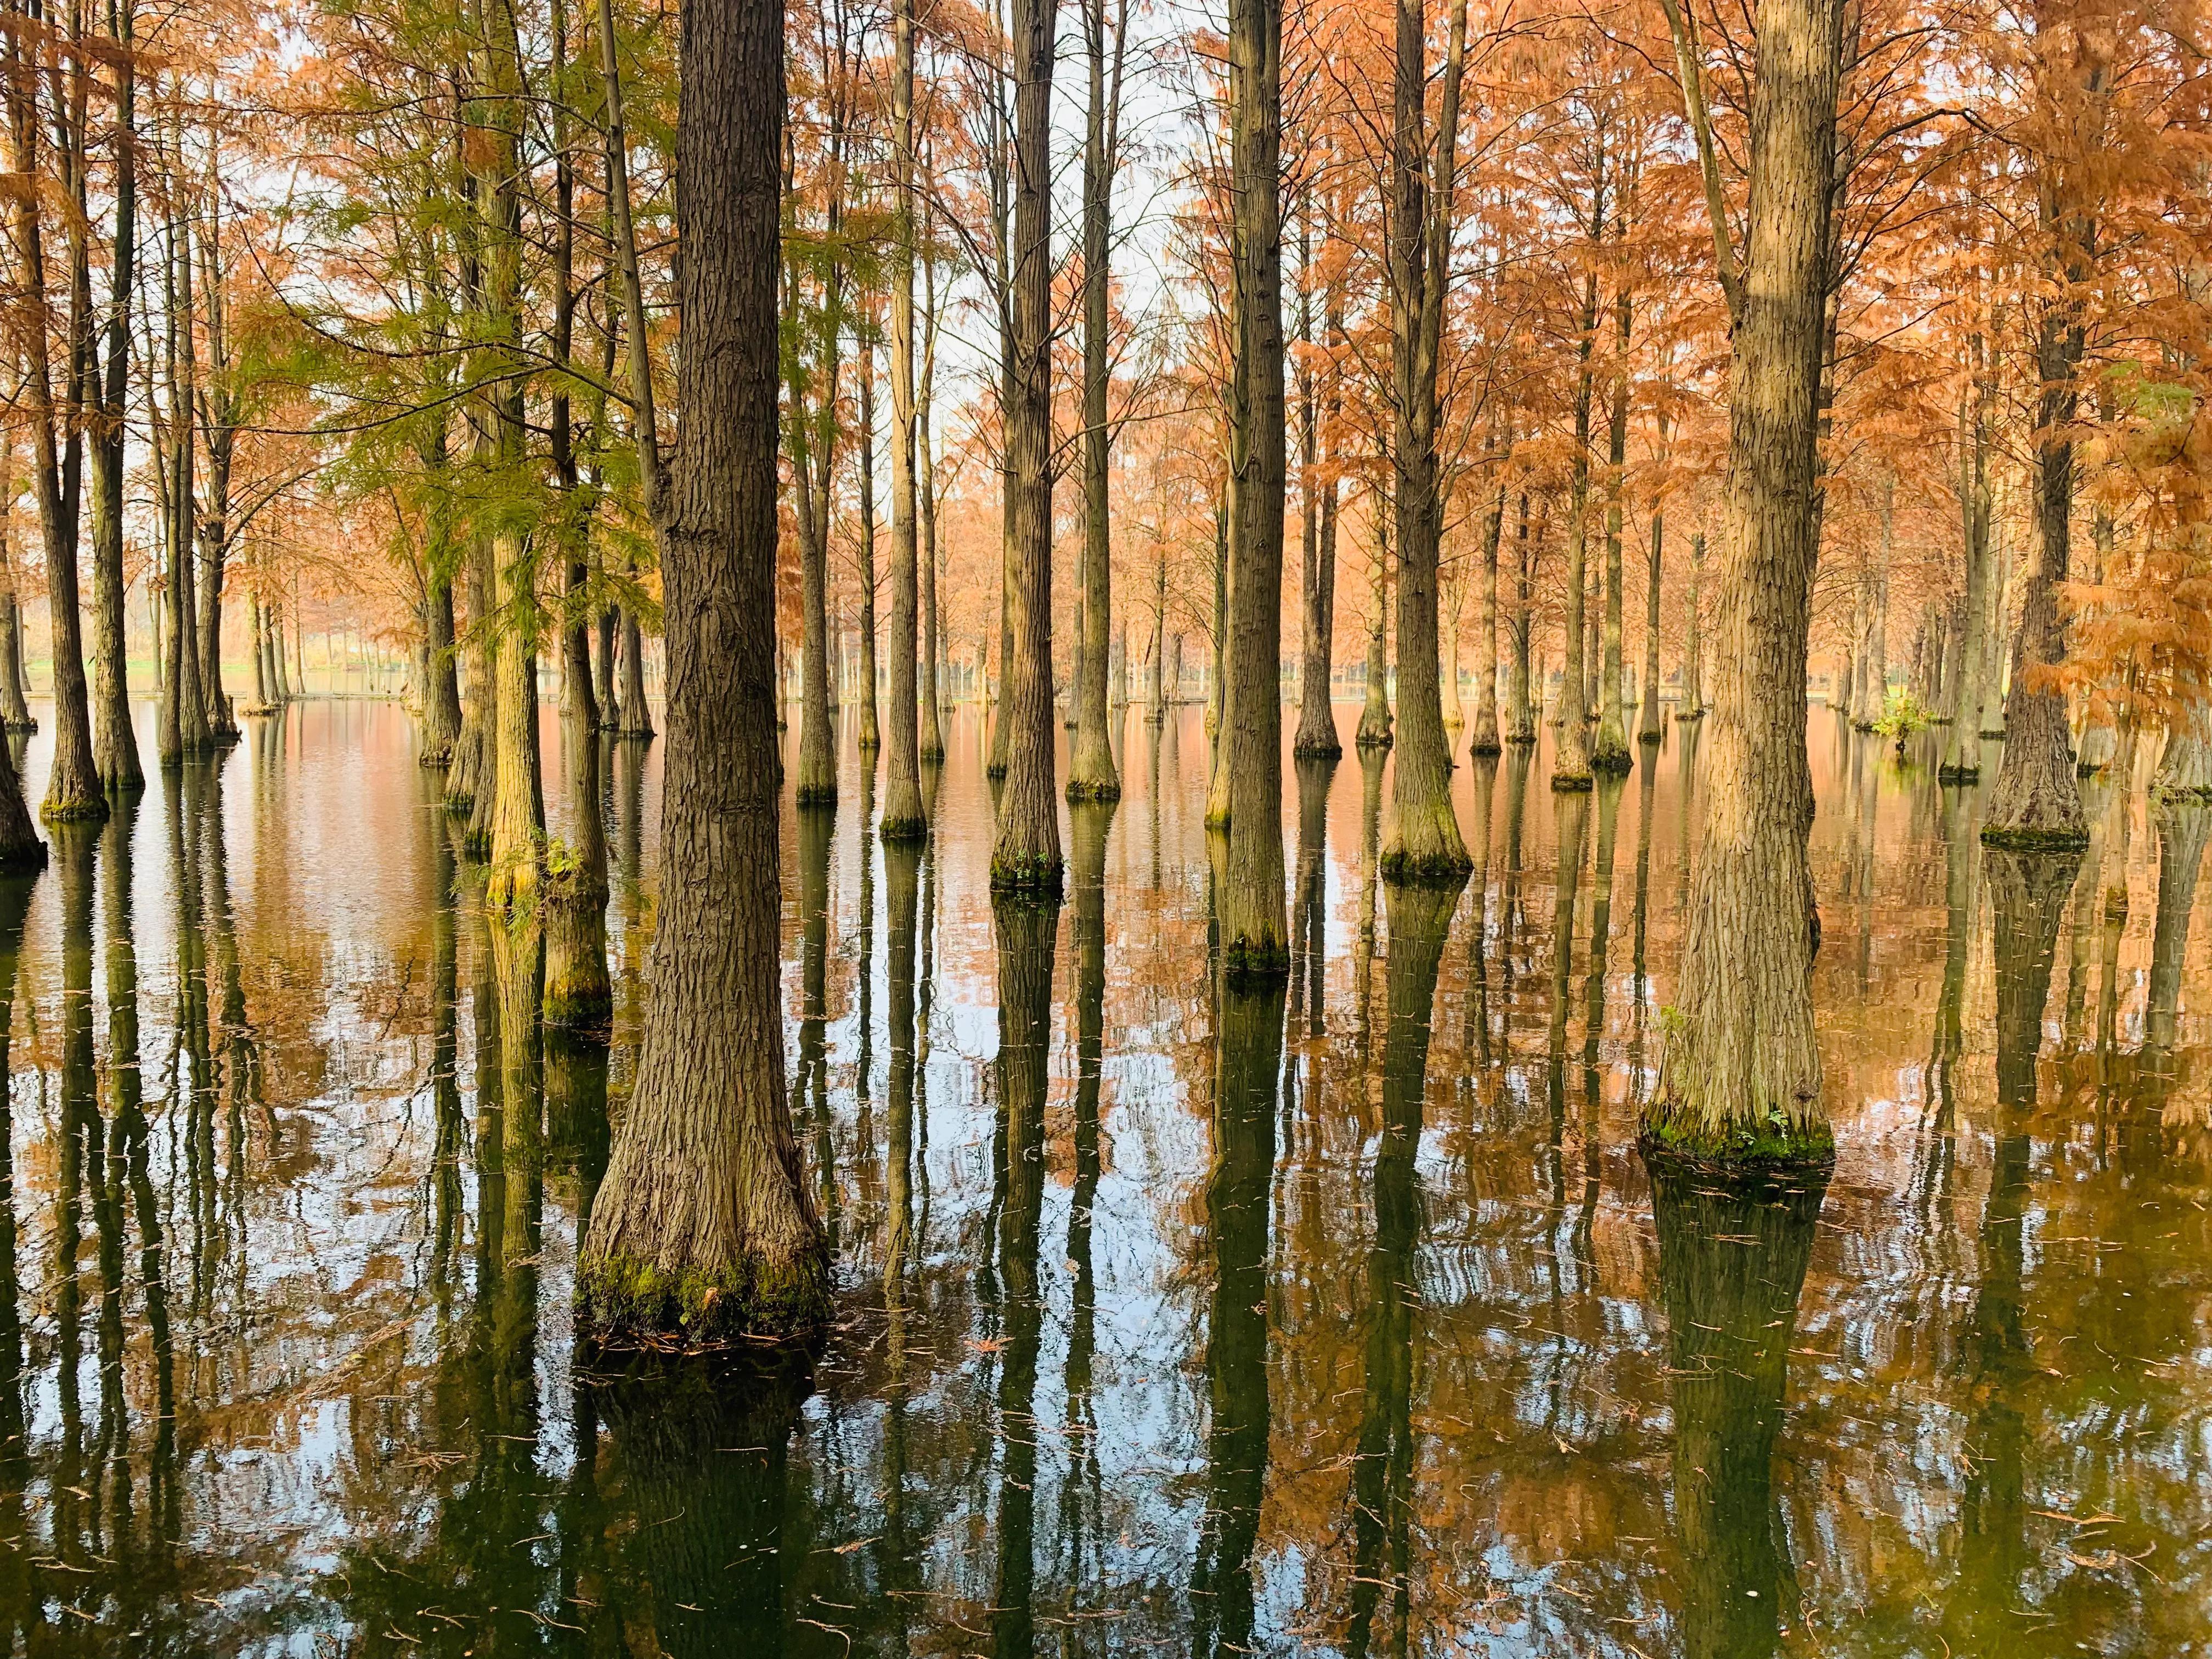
1902, 714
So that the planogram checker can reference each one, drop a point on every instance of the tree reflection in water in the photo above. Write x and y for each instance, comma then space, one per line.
1327, 1318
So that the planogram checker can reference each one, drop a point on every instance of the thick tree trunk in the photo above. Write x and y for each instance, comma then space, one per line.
703, 1228
114, 744
1740, 1079
1091, 773
1424, 842
1254, 933
1025, 855
2037, 803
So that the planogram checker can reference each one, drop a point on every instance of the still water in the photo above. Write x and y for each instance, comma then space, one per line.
1345, 1319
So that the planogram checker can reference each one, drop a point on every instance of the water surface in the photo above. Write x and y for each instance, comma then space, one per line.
1344, 1318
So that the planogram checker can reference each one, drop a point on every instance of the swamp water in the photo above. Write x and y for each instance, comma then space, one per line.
1343, 1318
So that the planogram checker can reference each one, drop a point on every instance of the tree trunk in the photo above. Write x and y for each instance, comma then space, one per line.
1873, 656
1694, 655
1025, 855
1489, 729
931, 694
1316, 737
441, 699
2037, 803
1571, 760
863, 463
15, 702
903, 817
703, 1228
1254, 934
1740, 1077
1962, 749
1375, 716
1522, 690
1648, 725
1091, 773
115, 745
1609, 751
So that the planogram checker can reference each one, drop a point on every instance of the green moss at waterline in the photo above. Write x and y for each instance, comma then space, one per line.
84, 809
459, 803
1993, 732
1572, 783
579, 1008
1317, 751
1948, 773
1747, 1145
913, 828
1481, 749
625, 1303
1080, 790
1246, 961
1374, 739
1036, 874
816, 794
2181, 793
2026, 839
2087, 768
1406, 869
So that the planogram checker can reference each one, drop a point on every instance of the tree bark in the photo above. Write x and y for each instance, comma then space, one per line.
1025, 855
1254, 933
1090, 773
931, 694
1521, 690
1740, 1077
114, 744
703, 1228
1424, 842
1571, 760
903, 817
1694, 655
1489, 737
1609, 751
1375, 716
1962, 749
1648, 727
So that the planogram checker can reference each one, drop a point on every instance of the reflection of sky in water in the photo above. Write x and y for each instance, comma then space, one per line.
370, 1452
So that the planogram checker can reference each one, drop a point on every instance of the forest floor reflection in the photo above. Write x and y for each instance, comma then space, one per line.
1341, 1316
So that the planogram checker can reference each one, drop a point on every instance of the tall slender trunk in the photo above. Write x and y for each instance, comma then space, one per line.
1489, 737
903, 817
1693, 654
1609, 751
1523, 692
1874, 653
1740, 1077
1254, 934
864, 620
115, 745
1571, 760
1648, 729
1375, 714
703, 1227
1316, 736
1026, 853
1962, 749
931, 695
1091, 775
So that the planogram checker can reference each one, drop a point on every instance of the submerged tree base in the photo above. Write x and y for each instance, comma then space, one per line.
1245, 962
1738, 1146
1314, 749
1993, 732
816, 794
1081, 789
2026, 839
1572, 783
1425, 869
911, 827
1035, 875
1948, 773
625, 1303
